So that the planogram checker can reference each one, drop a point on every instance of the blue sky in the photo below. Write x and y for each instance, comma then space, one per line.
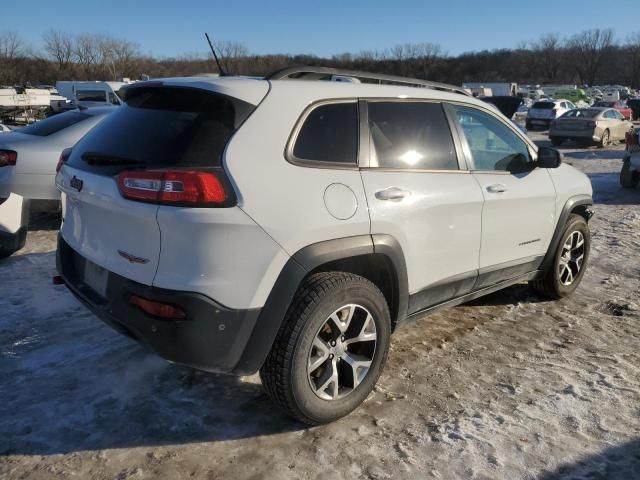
324, 28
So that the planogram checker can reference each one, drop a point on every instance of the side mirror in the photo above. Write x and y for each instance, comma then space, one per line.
548, 158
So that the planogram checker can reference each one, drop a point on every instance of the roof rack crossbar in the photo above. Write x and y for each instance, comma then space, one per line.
319, 73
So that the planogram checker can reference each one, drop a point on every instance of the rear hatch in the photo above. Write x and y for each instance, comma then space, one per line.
160, 129
542, 110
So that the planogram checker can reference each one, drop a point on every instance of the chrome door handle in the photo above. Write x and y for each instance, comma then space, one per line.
497, 188
392, 193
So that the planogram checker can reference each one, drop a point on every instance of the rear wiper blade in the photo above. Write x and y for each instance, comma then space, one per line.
104, 159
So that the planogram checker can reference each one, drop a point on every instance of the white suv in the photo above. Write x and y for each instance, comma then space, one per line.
289, 224
543, 112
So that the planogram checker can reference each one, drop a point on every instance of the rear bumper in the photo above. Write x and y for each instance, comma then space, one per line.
580, 135
539, 122
212, 337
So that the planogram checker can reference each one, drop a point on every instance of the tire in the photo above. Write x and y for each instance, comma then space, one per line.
553, 283
288, 375
629, 178
605, 140
555, 141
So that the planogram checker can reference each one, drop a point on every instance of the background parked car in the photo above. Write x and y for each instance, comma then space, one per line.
619, 105
601, 126
542, 113
630, 172
634, 105
33, 152
28, 159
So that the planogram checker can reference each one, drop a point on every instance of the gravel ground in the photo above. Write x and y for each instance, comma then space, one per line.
507, 387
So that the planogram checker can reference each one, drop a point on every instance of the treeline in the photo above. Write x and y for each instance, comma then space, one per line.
591, 57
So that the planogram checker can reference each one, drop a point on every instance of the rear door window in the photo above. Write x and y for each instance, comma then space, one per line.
160, 127
329, 135
410, 135
54, 124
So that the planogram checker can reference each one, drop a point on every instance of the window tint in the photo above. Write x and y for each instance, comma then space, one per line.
609, 114
113, 99
493, 145
91, 95
329, 134
161, 127
54, 124
410, 135
544, 105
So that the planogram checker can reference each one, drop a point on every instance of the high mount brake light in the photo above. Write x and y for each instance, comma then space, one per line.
8, 158
64, 156
176, 187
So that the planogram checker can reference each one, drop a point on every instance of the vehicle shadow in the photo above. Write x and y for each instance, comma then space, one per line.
70, 383
508, 296
608, 191
621, 462
44, 220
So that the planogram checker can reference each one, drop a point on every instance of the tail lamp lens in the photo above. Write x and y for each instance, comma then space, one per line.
175, 187
157, 309
8, 158
64, 156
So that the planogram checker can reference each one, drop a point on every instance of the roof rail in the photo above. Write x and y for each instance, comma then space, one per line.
321, 73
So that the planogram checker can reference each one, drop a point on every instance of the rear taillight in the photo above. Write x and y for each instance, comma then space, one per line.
157, 309
64, 156
631, 138
591, 124
8, 158
176, 187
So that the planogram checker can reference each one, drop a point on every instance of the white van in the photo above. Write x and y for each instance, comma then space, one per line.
91, 94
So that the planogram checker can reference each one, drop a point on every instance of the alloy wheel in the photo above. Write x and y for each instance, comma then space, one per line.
342, 352
571, 258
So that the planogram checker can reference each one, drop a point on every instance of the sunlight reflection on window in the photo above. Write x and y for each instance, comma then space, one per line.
411, 157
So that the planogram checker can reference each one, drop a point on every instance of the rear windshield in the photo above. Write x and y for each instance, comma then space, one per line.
581, 113
544, 105
604, 104
54, 124
161, 127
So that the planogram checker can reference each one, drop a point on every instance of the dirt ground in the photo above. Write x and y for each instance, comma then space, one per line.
508, 387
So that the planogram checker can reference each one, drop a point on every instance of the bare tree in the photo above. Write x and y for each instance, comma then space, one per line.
87, 53
549, 55
11, 45
59, 46
230, 53
587, 50
633, 47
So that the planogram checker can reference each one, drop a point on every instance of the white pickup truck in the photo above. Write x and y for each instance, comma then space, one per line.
630, 173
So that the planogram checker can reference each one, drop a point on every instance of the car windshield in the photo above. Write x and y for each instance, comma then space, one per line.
582, 113
544, 105
54, 124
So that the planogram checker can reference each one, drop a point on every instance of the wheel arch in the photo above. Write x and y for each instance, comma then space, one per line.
379, 258
578, 204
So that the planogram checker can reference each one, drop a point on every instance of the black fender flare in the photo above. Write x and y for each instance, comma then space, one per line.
294, 272
569, 206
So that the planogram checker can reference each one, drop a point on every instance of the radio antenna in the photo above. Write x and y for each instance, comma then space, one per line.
220, 69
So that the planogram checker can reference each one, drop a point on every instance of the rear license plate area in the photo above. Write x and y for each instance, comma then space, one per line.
95, 277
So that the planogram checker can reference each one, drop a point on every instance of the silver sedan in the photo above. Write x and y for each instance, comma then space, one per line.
600, 126
29, 155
